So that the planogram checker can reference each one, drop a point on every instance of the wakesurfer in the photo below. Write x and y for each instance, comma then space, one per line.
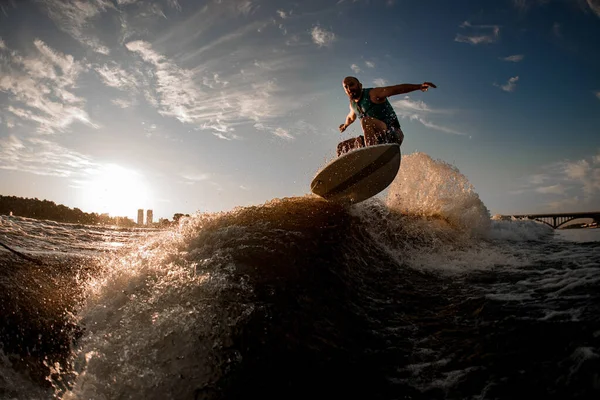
377, 116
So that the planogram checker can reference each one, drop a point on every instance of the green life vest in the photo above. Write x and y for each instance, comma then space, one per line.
381, 111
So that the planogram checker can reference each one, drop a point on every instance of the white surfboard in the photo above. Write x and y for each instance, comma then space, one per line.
358, 174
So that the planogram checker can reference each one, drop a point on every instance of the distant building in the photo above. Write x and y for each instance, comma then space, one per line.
140, 220
149, 217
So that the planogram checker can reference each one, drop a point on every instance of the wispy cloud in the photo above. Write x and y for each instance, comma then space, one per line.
322, 37
380, 82
178, 96
41, 86
277, 131
522, 5
554, 189
480, 34
514, 58
510, 85
218, 102
42, 157
370, 64
292, 130
114, 76
594, 6
557, 30
194, 177
419, 111
73, 17
4, 7
283, 133
355, 68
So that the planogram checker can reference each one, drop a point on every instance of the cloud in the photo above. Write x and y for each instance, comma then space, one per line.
407, 107
522, 5
282, 14
510, 85
73, 16
370, 64
245, 7
123, 103
292, 130
42, 157
355, 68
577, 170
597, 93
283, 133
480, 34
277, 131
594, 6
380, 82
4, 7
514, 58
554, 189
115, 76
556, 29
174, 4
438, 127
177, 94
220, 102
569, 183
322, 37
195, 176
40, 87
417, 111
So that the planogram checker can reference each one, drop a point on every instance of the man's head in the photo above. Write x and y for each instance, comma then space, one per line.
352, 87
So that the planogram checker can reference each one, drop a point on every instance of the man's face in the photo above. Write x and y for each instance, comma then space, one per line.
352, 87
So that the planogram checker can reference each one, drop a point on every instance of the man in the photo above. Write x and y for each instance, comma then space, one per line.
377, 117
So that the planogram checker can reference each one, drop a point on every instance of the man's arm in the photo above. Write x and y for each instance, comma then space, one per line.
380, 93
350, 118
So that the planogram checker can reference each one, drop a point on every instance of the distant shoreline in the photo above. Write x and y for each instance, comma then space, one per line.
46, 210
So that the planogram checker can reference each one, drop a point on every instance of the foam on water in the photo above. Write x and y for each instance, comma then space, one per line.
434, 188
152, 320
161, 312
433, 220
520, 230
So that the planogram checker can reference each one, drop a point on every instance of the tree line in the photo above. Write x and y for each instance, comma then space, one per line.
45, 209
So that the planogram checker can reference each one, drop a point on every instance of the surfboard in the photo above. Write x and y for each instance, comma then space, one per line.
358, 175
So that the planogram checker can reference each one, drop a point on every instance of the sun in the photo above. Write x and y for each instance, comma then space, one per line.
116, 190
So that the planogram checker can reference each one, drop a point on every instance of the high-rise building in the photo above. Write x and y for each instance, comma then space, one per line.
140, 220
149, 217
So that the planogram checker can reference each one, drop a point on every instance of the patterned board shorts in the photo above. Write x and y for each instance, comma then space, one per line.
393, 135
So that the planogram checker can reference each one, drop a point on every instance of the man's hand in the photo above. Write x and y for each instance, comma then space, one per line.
427, 85
343, 127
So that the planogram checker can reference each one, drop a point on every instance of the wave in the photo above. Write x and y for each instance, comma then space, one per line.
294, 298
434, 188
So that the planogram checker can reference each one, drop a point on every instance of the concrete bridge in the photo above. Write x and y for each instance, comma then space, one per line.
557, 220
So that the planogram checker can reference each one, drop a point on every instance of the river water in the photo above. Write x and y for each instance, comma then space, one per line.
418, 294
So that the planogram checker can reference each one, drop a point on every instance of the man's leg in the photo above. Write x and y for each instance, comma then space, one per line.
395, 135
350, 144
374, 130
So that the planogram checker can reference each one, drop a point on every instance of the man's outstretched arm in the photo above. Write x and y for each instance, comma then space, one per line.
350, 118
381, 93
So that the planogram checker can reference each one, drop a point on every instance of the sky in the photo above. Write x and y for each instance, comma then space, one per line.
188, 105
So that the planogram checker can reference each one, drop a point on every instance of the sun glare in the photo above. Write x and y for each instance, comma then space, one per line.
117, 191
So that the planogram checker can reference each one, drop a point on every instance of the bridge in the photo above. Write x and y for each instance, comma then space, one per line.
557, 220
